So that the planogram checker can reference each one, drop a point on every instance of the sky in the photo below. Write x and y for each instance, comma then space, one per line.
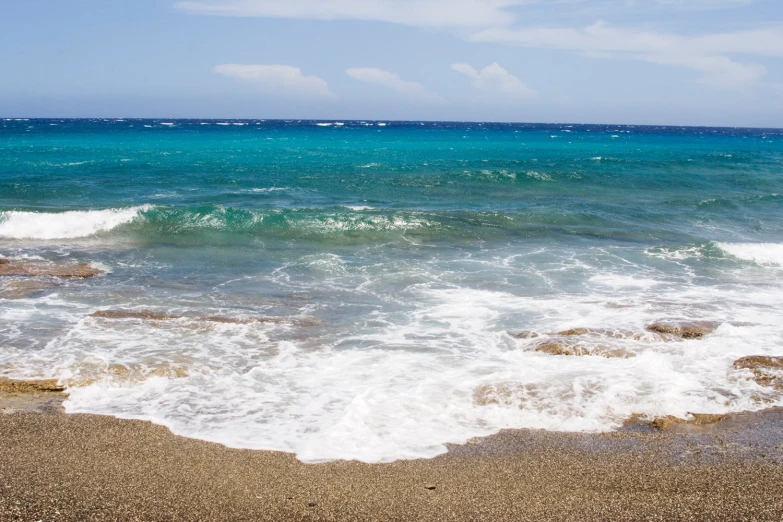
667, 62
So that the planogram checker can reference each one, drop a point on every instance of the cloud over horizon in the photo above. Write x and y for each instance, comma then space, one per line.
389, 80
495, 79
418, 13
282, 79
495, 21
708, 54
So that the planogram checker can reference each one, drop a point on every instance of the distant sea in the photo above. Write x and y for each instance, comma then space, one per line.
374, 290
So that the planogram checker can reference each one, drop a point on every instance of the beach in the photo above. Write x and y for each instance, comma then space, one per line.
55, 466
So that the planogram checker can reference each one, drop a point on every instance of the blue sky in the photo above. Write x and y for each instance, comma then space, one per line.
681, 62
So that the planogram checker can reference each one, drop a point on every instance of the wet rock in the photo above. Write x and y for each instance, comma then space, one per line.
31, 386
149, 315
132, 373
767, 370
524, 334
25, 288
610, 334
695, 330
134, 314
499, 393
577, 331
573, 347
41, 268
697, 419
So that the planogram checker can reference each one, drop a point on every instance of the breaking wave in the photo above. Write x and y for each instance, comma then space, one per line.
64, 225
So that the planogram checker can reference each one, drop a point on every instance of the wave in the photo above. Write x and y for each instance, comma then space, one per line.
769, 254
149, 221
64, 225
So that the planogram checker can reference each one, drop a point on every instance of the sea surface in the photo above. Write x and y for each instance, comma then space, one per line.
376, 290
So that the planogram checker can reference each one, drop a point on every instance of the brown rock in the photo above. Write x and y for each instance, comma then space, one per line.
24, 288
499, 393
698, 419
616, 334
134, 314
695, 330
32, 386
767, 370
524, 335
149, 315
574, 348
40, 268
577, 331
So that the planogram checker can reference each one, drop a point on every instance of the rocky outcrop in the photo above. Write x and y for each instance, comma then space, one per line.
504, 393
615, 334
32, 386
697, 419
149, 315
25, 288
524, 334
40, 268
767, 370
572, 347
670, 422
693, 330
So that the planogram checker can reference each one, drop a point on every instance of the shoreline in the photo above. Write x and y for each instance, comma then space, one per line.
55, 466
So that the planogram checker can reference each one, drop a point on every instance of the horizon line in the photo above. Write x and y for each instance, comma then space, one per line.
390, 120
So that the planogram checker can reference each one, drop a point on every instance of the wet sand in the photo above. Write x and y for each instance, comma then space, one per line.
85, 467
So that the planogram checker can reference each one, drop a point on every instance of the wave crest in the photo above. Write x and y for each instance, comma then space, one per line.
64, 225
759, 253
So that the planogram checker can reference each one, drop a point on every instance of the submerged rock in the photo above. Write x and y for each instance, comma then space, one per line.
156, 316
573, 347
695, 330
613, 334
767, 370
25, 288
130, 373
30, 386
504, 393
524, 334
41, 268
697, 419
134, 314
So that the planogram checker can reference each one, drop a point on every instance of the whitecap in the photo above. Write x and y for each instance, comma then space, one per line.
759, 253
64, 225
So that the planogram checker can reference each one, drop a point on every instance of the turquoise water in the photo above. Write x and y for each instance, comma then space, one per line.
396, 259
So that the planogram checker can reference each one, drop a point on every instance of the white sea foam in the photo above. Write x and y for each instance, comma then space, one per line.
430, 361
269, 189
760, 253
64, 225
442, 372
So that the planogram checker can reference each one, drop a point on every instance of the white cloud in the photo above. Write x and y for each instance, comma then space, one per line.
283, 79
390, 81
707, 54
713, 55
495, 79
426, 13
422, 13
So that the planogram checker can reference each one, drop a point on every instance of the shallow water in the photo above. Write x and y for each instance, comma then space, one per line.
352, 291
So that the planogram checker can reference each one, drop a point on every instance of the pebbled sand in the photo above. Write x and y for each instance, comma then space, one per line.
84, 467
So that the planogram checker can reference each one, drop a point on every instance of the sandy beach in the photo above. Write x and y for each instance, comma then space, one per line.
55, 466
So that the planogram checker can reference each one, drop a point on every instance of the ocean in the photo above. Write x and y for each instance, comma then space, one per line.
377, 290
